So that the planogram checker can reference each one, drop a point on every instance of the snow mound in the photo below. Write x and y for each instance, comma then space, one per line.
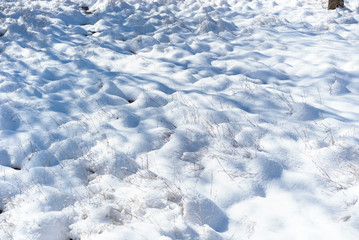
305, 112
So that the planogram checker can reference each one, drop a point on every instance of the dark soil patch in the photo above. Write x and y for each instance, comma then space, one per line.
86, 10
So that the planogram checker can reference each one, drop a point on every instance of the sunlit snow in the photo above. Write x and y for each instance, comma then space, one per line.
179, 119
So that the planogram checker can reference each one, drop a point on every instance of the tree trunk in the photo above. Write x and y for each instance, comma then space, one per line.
333, 4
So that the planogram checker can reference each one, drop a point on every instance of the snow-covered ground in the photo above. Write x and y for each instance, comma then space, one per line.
179, 119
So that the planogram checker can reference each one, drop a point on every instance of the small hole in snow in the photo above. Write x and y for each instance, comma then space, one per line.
16, 168
1, 211
91, 33
346, 218
130, 100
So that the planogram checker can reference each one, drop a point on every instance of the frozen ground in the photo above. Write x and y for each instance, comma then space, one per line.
179, 119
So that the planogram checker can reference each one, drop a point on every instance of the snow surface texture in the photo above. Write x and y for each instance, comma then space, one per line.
179, 119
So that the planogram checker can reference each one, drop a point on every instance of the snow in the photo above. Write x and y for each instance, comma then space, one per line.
188, 119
